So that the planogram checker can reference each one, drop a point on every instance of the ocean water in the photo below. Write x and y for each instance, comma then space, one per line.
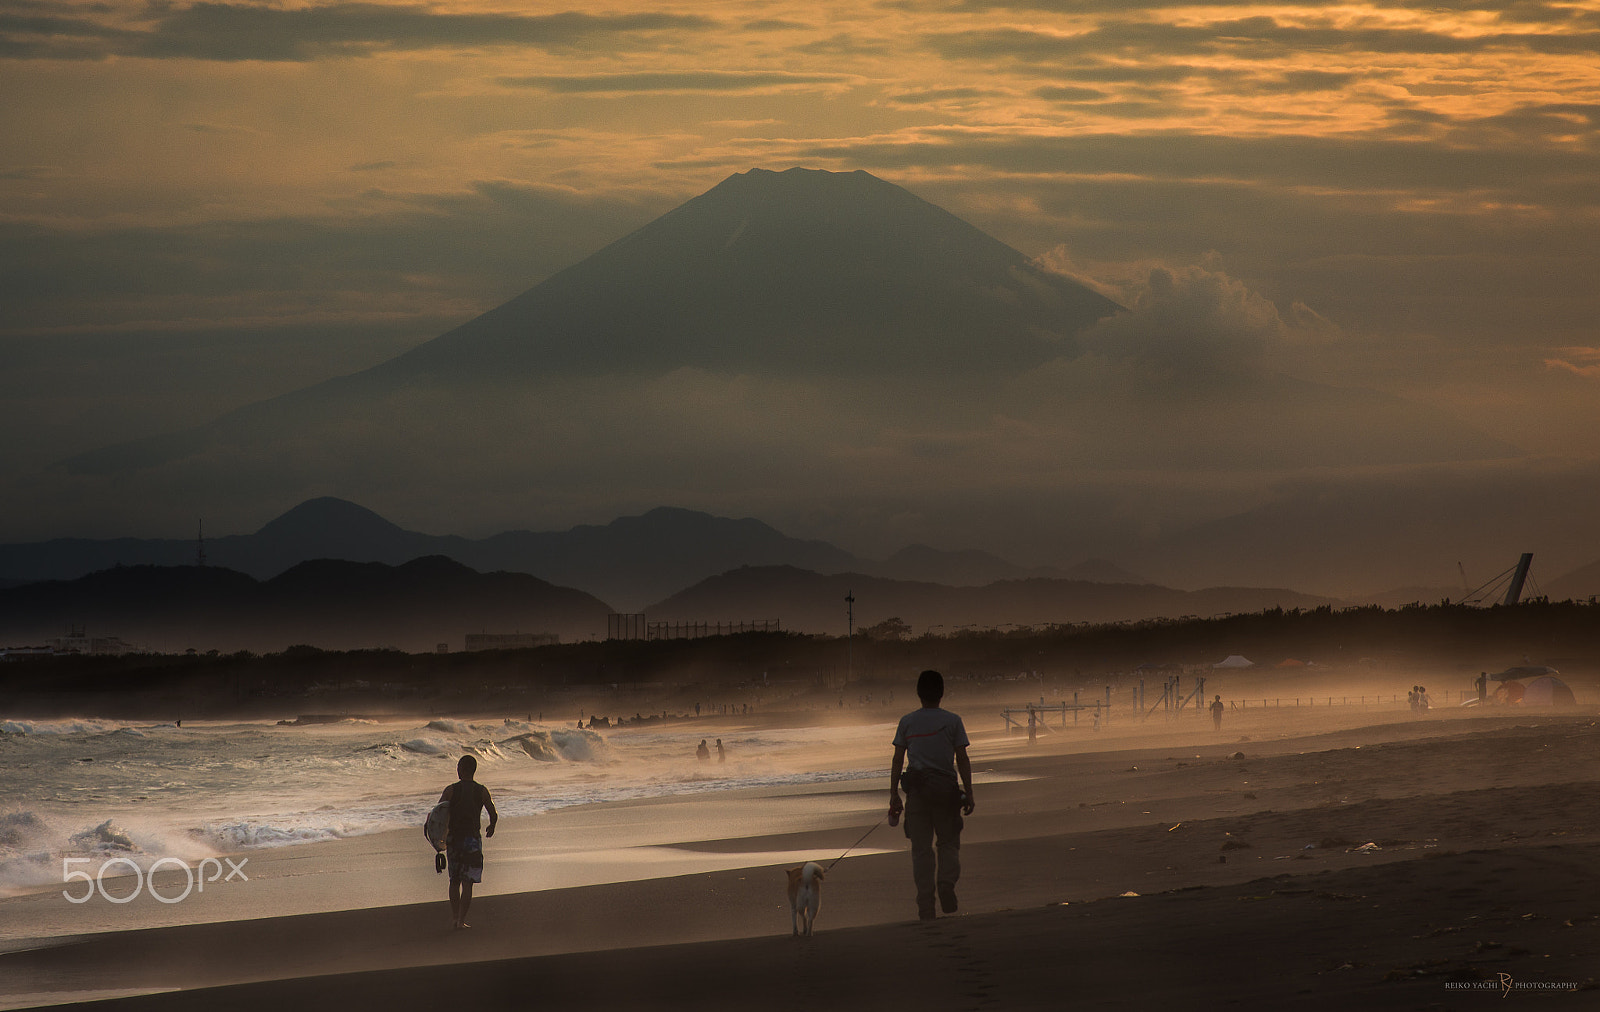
101, 788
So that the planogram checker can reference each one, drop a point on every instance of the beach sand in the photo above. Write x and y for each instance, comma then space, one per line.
1246, 848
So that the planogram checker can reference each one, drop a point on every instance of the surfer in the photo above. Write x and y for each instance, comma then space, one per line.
463, 846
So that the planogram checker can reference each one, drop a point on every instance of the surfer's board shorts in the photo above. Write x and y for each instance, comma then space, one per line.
465, 860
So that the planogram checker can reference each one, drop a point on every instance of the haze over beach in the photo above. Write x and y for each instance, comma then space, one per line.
575, 387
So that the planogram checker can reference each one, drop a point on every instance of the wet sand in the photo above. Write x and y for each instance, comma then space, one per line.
1256, 889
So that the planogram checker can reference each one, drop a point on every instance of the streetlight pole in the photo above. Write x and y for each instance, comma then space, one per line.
849, 635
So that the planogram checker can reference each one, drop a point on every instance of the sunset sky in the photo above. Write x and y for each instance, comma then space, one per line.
205, 204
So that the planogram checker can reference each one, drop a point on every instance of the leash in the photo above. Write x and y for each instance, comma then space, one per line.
853, 846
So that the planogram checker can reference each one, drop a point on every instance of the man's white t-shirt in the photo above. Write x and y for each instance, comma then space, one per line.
930, 736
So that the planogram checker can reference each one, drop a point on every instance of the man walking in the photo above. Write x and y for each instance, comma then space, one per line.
463, 847
935, 743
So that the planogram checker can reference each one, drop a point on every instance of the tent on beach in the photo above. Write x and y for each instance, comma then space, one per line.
1548, 690
1523, 672
1509, 692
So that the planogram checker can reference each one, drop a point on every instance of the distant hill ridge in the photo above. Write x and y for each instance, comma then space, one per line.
629, 562
813, 602
324, 603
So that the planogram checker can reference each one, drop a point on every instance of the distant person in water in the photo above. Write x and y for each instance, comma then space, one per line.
702, 753
463, 847
722, 754
934, 741
1216, 713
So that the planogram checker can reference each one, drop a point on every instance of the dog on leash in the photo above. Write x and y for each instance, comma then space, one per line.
805, 896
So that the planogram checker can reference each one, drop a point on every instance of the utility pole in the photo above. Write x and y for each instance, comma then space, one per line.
200, 545
849, 635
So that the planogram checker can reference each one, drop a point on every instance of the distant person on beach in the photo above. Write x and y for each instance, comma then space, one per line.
1411, 697
722, 754
1424, 701
935, 743
702, 753
1216, 713
1483, 686
463, 847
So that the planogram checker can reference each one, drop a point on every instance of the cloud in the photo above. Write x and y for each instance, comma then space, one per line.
42, 30
934, 96
1587, 362
231, 31
1345, 164
680, 81
1059, 93
844, 44
1296, 81
1528, 11
1249, 38
1190, 321
774, 25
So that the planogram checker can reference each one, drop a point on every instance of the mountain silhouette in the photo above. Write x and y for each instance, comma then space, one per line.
797, 270
629, 562
801, 271
325, 603
814, 602
817, 345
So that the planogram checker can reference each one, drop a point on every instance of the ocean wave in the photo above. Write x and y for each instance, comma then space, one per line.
105, 837
451, 726
247, 834
536, 746
428, 746
578, 746
76, 726
32, 848
21, 830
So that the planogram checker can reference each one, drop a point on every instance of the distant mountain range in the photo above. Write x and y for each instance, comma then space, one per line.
333, 573
329, 604
827, 344
629, 562
355, 605
813, 602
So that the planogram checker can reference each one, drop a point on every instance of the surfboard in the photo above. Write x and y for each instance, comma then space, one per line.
437, 825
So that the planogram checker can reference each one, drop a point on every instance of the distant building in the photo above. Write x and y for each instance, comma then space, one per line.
510, 641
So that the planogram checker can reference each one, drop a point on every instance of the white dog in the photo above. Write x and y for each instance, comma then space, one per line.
805, 895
